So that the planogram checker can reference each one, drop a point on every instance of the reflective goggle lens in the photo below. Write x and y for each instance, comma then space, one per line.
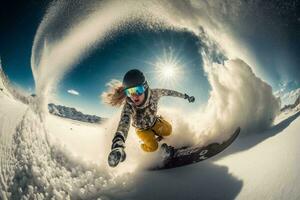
138, 90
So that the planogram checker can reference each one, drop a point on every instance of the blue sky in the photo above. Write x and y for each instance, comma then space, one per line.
270, 32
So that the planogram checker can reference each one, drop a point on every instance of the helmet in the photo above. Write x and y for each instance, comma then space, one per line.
133, 78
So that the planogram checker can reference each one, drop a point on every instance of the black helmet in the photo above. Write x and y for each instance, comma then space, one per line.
133, 78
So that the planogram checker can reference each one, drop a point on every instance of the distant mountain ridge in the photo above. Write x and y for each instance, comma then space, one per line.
7, 88
72, 113
296, 104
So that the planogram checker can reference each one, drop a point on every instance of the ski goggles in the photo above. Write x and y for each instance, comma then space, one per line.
135, 91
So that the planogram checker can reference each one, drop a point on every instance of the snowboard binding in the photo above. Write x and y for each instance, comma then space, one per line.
168, 151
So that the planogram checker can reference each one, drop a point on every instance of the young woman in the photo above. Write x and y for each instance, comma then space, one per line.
140, 105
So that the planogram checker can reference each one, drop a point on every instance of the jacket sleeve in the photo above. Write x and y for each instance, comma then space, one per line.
124, 123
166, 92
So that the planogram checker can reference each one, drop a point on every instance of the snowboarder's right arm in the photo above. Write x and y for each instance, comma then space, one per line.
117, 153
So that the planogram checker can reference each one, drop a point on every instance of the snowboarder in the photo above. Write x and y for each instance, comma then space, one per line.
139, 104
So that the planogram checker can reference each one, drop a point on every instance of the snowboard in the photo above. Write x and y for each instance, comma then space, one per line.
189, 155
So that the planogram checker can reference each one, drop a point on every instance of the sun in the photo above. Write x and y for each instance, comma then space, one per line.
168, 68
167, 71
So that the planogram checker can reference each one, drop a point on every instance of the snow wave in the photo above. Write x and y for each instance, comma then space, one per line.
238, 96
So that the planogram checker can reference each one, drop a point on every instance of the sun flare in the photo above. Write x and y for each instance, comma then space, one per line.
167, 70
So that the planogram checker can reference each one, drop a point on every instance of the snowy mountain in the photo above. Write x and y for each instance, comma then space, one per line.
72, 113
11, 89
58, 110
295, 105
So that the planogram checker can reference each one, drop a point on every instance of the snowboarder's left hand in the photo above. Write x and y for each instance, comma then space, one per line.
117, 153
191, 99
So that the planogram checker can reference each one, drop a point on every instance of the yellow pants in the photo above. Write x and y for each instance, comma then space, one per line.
148, 136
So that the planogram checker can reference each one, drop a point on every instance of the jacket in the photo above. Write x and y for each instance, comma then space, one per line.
143, 116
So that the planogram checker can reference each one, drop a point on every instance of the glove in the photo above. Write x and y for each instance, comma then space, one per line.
117, 153
191, 99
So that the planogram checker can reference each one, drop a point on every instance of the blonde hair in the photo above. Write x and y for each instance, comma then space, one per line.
115, 95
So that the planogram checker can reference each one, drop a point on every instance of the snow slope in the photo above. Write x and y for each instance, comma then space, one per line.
11, 113
269, 163
65, 159
84, 139
31, 167
257, 166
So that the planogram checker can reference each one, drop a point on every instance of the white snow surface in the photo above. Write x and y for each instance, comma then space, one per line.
32, 168
65, 159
